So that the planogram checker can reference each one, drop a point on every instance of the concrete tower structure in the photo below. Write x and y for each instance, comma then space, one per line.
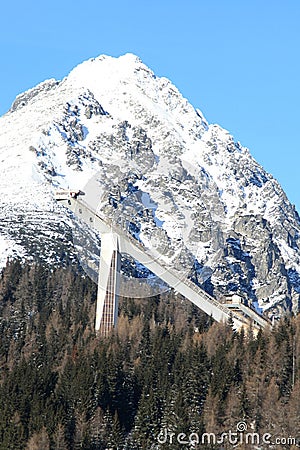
108, 284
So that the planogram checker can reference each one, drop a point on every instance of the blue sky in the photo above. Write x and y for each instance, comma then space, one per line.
237, 60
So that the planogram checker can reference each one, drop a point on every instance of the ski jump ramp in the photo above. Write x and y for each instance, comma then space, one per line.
115, 241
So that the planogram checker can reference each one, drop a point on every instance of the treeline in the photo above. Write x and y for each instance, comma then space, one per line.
167, 370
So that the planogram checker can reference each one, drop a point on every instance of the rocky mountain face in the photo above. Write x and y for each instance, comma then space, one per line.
176, 183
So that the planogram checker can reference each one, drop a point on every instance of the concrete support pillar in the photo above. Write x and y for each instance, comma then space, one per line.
108, 284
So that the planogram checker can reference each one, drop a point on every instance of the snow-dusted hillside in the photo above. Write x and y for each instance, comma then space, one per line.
174, 181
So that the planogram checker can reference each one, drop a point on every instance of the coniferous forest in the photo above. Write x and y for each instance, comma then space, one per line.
167, 370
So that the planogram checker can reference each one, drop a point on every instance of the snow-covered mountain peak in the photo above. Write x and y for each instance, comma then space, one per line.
109, 73
105, 68
174, 180
125, 82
